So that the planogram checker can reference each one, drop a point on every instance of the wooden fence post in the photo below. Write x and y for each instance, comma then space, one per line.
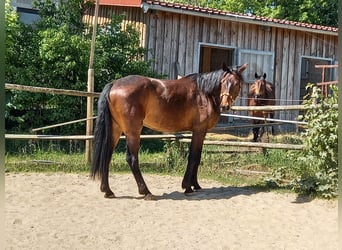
90, 99
89, 123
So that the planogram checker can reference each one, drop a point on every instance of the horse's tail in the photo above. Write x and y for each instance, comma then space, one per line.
103, 139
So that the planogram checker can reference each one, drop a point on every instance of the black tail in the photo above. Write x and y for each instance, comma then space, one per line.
103, 138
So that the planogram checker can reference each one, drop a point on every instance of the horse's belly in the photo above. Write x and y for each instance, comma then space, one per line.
180, 122
179, 115
164, 123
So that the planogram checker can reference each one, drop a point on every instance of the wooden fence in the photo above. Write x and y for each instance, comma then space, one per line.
179, 136
323, 84
50, 90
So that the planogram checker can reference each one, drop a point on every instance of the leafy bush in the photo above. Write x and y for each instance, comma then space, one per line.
118, 53
319, 159
54, 52
315, 169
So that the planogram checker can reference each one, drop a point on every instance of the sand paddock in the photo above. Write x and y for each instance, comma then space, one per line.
68, 211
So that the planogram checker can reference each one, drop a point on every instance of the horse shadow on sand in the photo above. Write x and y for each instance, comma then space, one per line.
217, 193
220, 193
214, 193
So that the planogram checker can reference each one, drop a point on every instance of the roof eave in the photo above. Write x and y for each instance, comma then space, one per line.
237, 18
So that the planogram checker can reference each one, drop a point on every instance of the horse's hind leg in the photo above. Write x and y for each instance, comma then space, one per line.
104, 187
133, 144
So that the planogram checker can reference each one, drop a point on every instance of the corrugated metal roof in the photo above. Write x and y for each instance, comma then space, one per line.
221, 14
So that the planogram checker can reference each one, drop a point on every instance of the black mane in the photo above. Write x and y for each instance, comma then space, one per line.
208, 82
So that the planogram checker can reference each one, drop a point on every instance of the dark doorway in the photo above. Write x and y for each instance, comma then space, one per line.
211, 57
310, 74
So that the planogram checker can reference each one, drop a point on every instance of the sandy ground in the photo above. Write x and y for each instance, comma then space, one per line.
68, 211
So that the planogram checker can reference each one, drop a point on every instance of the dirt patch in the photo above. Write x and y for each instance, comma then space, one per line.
68, 211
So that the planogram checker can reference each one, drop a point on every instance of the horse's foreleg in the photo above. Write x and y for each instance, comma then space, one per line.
194, 158
261, 133
133, 143
255, 133
272, 128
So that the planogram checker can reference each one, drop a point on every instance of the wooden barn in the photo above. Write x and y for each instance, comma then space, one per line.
183, 39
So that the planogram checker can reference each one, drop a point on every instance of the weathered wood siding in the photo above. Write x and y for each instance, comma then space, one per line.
174, 39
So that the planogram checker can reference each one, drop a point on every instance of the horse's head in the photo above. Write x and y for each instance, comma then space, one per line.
259, 87
231, 86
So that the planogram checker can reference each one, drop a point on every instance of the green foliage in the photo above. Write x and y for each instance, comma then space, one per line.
319, 159
118, 53
45, 54
54, 52
315, 169
59, 13
310, 11
176, 156
12, 27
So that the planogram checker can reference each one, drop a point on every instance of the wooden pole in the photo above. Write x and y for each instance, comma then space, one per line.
264, 119
277, 107
90, 99
50, 90
181, 137
85, 137
62, 124
251, 144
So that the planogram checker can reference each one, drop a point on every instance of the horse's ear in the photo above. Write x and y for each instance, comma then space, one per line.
225, 67
256, 75
264, 76
242, 67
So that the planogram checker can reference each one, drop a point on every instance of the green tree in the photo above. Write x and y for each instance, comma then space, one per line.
320, 12
54, 52
45, 54
118, 53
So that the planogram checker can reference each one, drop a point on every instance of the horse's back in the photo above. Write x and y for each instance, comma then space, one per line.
163, 105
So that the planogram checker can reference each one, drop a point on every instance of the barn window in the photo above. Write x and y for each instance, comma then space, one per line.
311, 74
211, 56
27, 16
258, 62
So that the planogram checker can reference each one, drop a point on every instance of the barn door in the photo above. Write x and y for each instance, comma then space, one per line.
211, 56
311, 74
258, 62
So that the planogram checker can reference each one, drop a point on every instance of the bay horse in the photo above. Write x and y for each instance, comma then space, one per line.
261, 93
191, 103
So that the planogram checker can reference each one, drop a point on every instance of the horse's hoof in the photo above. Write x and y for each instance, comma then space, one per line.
189, 192
109, 195
197, 187
150, 197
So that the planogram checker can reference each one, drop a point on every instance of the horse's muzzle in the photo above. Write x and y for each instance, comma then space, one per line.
224, 108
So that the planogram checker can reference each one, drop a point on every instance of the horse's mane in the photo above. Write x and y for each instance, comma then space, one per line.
207, 82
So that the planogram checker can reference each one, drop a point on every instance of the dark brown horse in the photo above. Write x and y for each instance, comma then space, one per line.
261, 93
192, 103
